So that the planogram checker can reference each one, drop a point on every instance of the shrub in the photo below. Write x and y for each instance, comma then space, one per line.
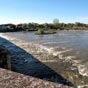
40, 31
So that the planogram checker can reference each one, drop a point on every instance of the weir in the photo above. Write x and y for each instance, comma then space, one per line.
10, 79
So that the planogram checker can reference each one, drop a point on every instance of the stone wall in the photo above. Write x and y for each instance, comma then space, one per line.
10, 79
4, 58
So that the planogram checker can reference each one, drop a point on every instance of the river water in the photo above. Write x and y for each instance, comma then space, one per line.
71, 45
75, 40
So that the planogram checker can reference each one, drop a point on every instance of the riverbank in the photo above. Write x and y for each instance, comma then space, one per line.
67, 66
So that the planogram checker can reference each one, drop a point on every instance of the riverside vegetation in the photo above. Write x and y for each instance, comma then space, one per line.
45, 28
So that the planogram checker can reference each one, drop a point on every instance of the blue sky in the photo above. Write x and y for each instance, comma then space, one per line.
41, 11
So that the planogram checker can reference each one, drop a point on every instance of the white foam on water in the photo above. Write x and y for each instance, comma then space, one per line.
49, 60
83, 86
77, 63
55, 42
83, 70
3, 36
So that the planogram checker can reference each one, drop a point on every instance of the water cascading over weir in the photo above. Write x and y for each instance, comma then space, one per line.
9, 79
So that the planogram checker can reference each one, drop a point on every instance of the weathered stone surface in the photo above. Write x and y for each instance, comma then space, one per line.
4, 58
10, 79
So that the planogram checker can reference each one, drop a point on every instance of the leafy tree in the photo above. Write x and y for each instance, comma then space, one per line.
56, 21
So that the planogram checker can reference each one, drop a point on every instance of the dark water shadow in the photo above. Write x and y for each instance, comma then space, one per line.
25, 63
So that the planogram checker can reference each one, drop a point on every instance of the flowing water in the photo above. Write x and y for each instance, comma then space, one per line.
75, 40
70, 46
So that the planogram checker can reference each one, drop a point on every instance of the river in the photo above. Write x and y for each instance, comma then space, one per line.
75, 40
70, 46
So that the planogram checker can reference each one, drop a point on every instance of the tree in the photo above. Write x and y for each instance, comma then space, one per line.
25, 26
70, 25
55, 21
46, 26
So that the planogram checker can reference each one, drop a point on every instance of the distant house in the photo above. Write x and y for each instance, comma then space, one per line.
7, 26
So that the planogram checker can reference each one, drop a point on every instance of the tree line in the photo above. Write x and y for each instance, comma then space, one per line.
55, 25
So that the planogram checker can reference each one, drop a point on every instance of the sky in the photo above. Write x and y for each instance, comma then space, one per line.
42, 11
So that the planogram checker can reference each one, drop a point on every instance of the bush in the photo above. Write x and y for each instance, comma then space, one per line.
40, 31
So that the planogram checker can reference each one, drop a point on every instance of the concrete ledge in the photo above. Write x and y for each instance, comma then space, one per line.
10, 79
